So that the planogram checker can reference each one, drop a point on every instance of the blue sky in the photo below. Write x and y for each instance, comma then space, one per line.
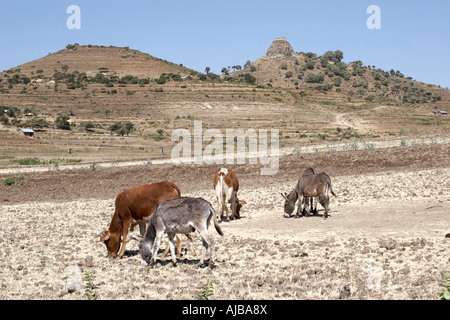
414, 36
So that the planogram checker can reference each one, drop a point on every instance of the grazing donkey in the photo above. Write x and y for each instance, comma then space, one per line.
183, 215
308, 172
312, 185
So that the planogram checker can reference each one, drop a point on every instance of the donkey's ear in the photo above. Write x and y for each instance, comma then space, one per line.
284, 196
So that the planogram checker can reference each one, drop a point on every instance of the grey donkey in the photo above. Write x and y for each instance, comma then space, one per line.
183, 215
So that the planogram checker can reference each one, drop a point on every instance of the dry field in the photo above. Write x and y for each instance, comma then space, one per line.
385, 238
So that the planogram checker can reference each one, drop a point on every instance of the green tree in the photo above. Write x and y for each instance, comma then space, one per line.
62, 122
315, 78
337, 81
338, 55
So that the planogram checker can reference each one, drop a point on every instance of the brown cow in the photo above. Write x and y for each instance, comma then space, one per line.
135, 206
226, 185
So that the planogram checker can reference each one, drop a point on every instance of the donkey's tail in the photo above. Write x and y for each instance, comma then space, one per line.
332, 192
216, 223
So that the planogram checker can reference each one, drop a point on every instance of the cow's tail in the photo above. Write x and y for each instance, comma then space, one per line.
219, 194
177, 190
220, 188
216, 223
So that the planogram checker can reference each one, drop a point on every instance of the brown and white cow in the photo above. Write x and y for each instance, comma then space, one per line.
135, 206
226, 185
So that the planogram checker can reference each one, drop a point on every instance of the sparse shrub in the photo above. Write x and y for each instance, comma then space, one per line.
21, 179
9, 181
309, 64
445, 285
121, 128
4, 120
90, 286
403, 142
208, 290
27, 161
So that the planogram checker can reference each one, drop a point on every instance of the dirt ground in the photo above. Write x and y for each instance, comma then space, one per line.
385, 238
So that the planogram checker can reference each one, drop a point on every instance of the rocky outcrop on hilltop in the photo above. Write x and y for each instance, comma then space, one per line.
280, 48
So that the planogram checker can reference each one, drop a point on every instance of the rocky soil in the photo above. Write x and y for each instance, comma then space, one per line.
385, 238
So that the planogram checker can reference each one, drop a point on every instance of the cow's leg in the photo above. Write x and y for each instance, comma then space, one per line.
220, 207
225, 206
172, 248
178, 248
166, 250
126, 227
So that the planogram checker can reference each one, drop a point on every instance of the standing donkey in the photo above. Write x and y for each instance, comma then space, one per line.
308, 186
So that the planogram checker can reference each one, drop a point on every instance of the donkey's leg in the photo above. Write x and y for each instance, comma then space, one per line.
326, 201
316, 200
172, 248
156, 245
178, 247
299, 209
207, 241
307, 210
142, 228
327, 207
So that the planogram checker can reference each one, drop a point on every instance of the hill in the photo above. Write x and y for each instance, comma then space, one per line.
91, 61
283, 67
310, 99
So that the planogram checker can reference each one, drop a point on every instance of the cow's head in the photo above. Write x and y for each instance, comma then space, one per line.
289, 203
112, 242
239, 204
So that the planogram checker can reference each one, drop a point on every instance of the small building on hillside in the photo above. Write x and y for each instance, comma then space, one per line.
441, 113
28, 132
